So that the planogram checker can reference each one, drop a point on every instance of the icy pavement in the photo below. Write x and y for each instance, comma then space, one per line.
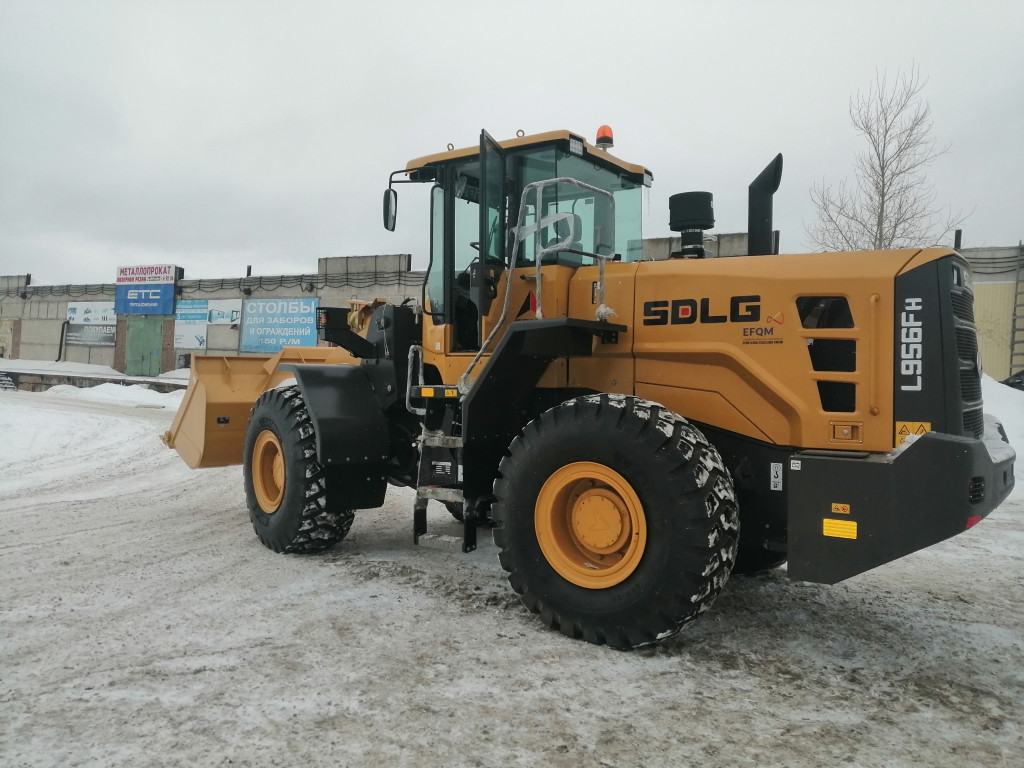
142, 623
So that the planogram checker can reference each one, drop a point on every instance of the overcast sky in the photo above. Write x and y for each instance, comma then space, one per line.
215, 135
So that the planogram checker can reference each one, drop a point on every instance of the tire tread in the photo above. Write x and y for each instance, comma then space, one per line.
322, 524
697, 468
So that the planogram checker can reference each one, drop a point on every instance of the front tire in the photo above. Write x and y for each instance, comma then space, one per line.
291, 506
616, 520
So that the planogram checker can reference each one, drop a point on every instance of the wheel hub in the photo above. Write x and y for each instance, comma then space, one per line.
268, 471
600, 521
590, 525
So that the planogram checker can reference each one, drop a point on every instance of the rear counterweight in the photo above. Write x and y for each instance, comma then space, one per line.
851, 513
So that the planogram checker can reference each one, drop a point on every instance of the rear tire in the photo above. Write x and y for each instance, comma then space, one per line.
291, 505
616, 520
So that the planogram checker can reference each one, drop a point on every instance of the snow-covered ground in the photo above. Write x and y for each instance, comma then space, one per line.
142, 623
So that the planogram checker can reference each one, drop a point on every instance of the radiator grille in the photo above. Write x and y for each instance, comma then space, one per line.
963, 306
974, 422
971, 405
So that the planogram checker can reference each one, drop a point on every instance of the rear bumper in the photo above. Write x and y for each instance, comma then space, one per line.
850, 513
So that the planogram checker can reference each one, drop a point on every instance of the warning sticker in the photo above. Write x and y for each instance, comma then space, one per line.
840, 509
839, 529
905, 429
776, 476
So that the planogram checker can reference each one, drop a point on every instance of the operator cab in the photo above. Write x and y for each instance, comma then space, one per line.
481, 222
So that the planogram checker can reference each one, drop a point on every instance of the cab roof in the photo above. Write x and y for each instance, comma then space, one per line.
537, 139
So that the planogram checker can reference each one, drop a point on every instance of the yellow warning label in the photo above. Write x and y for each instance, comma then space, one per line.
839, 529
905, 429
840, 509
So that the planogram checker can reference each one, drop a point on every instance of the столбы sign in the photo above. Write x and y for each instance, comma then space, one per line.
268, 325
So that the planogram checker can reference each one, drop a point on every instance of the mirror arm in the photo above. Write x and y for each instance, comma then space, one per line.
392, 180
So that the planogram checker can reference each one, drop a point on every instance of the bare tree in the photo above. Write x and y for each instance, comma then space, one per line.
890, 203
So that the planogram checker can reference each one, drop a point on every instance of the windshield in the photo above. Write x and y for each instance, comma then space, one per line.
590, 214
595, 228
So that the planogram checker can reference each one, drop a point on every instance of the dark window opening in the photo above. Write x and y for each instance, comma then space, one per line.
824, 312
833, 354
838, 396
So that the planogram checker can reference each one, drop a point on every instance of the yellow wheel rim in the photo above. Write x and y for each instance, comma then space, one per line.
268, 471
590, 525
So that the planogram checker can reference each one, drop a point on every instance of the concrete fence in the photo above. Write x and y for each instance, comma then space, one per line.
34, 319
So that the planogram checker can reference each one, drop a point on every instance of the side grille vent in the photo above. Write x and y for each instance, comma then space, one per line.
974, 422
963, 306
971, 405
831, 354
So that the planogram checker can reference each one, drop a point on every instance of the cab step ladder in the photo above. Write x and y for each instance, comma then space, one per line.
440, 469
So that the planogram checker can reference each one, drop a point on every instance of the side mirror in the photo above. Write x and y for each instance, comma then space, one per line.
390, 209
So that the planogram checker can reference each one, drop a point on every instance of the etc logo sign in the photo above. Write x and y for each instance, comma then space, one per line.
143, 294
145, 290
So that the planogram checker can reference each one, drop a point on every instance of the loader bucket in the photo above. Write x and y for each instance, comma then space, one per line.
209, 428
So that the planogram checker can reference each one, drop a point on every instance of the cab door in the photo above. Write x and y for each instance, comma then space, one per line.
468, 233
485, 272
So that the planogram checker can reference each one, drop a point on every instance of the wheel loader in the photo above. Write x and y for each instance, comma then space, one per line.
632, 431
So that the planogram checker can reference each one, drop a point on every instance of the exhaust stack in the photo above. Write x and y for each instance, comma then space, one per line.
760, 240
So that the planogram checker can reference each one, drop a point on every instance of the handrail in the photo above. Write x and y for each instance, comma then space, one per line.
522, 232
875, 345
415, 357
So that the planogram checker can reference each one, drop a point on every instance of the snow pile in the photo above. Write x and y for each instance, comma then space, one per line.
81, 369
1007, 405
136, 394
177, 373
57, 368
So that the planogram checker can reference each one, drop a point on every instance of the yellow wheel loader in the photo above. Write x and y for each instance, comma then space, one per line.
634, 431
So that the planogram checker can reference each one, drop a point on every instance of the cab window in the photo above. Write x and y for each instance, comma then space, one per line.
590, 214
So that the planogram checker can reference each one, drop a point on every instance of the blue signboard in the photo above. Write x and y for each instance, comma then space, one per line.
191, 311
268, 325
142, 299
